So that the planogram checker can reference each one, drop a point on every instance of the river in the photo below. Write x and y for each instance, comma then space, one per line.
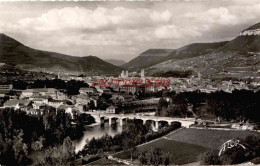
95, 131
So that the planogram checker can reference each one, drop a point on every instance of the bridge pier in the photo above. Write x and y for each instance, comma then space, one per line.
102, 121
122, 121
112, 121
156, 127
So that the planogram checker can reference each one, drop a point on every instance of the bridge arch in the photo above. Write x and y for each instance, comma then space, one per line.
163, 123
150, 124
176, 123
113, 120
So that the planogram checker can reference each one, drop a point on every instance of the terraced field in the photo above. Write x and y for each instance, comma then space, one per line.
214, 65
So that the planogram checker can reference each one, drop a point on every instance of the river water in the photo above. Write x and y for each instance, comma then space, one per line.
95, 131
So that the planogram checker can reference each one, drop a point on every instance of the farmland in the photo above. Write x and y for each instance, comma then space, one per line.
181, 153
186, 145
212, 139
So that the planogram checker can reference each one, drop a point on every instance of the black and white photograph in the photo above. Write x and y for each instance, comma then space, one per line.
174, 82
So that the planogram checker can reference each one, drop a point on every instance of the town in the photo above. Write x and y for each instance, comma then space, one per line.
31, 100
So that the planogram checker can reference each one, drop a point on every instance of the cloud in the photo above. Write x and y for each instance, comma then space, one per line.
174, 32
225, 16
81, 31
97, 19
161, 17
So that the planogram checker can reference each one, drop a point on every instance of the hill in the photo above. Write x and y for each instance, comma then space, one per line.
238, 58
115, 62
147, 59
14, 52
247, 41
193, 50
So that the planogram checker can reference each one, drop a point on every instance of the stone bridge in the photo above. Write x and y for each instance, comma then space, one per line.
155, 121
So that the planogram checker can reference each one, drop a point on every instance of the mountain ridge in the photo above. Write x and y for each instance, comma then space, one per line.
115, 62
14, 52
146, 59
238, 58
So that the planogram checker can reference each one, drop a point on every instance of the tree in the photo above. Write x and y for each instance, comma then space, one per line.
68, 149
59, 155
132, 136
38, 145
20, 148
154, 156
210, 158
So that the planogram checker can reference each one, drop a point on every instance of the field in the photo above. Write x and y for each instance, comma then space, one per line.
181, 153
186, 145
207, 138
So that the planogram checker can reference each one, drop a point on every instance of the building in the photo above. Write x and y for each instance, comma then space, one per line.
82, 99
124, 74
6, 87
128, 89
69, 109
57, 103
33, 111
112, 109
87, 90
142, 73
52, 92
27, 93
40, 99
18, 104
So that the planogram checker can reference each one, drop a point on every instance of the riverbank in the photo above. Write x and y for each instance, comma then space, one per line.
126, 162
95, 131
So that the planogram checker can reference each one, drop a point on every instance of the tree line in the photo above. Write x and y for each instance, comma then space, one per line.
240, 105
21, 134
72, 86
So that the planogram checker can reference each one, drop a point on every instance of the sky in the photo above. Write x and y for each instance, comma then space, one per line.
123, 30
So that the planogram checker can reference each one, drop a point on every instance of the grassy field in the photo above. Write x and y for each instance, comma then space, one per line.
207, 138
186, 145
181, 153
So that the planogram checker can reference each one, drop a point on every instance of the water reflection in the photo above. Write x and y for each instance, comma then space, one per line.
96, 131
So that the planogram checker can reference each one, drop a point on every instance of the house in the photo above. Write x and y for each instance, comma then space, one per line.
128, 89
18, 104
60, 95
27, 93
33, 111
87, 90
117, 98
57, 103
6, 87
4, 92
82, 99
112, 109
52, 92
40, 99
69, 109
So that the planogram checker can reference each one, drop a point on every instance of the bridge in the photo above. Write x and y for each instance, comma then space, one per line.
155, 121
